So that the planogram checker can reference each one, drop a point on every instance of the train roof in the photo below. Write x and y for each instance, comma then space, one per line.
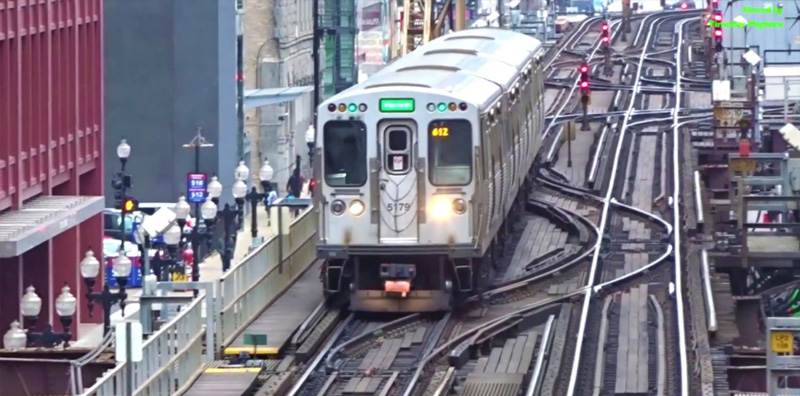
473, 65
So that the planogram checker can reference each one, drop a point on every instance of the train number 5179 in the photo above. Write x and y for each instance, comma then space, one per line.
398, 207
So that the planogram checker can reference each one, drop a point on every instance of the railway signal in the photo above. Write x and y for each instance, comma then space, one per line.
718, 38
714, 4
584, 69
604, 34
684, 6
130, 205
717, 16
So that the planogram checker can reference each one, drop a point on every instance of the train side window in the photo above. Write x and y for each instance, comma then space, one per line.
345, 153
398, 150
450, 152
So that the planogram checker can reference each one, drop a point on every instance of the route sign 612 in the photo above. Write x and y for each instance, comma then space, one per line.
197, 187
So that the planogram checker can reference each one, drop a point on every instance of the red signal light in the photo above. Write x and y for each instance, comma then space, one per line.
605, 40
684, 6
717, 17
604, 26
714, 1
718, 33
584, 84
584, 69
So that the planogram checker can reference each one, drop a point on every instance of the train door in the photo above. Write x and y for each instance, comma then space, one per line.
397, 182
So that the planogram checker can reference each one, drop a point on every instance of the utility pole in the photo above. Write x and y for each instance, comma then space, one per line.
315, 56
569, 144
240, 87
626, 28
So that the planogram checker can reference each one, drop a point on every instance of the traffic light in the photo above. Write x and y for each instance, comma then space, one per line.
717, 17
718, 38
604, 34
584, 87
714, 4
130, 205
684, 6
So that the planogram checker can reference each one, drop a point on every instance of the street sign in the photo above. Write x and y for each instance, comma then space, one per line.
197, 187
743, 165
782, 341
129, 339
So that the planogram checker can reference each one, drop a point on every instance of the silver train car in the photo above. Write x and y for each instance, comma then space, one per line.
421, 168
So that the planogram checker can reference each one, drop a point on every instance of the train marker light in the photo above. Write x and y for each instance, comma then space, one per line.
462, 106
362, 107
441, 209
442, 107
431, 107
342, 107
352, 108
452, 106
331, 107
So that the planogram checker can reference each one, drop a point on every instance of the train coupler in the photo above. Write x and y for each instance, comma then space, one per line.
397, 278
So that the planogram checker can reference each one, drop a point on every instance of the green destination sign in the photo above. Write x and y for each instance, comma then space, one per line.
397, 105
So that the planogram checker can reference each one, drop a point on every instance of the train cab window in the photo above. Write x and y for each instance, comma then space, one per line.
345, 153
398, 150
450, 152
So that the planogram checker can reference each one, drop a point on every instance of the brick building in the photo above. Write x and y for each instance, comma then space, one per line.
51, 151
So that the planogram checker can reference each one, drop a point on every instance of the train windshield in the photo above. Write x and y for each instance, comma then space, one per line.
450, 152
345, 152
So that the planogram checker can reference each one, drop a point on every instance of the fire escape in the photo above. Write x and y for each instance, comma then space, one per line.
338, 21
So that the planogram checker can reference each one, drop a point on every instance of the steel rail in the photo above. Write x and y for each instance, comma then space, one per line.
676, 218
320, 355
573, 380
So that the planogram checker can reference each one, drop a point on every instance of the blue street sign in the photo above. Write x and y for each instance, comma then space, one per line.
197, 186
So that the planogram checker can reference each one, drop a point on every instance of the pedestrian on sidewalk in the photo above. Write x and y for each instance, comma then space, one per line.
271, 197
295, 184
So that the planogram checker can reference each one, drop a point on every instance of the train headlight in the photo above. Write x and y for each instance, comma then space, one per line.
356, 208
459, 206
441, 209
338, 207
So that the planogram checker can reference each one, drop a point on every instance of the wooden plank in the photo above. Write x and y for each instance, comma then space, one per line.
622, 349
505, 356
366, 363
633, 343
516, 355
391, 354
419, 335
408, 338
382, 352
374, 384
644, 350
480, 367
494, 357
527, 352
361, 388
351, 385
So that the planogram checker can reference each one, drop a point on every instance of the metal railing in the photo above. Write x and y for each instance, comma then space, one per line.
172, 358
261, 276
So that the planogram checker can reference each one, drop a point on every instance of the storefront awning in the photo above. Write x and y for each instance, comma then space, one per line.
41, 219
272, 96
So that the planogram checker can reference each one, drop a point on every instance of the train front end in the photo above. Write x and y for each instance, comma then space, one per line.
397, 221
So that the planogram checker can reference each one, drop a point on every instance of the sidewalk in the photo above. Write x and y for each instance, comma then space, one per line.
91, 334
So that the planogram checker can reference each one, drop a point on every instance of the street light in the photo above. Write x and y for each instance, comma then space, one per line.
90, 267
241, 172
15, 338
172, 237
265, 174
123, 152
31, 307
214, 190
310, 144
239, 190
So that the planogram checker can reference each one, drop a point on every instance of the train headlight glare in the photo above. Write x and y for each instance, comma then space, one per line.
356, 208
441, 209
459, 206
338, 207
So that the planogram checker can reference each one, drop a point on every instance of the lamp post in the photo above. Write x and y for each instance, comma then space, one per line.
310, 144
172, 237
254, 196
209, 211
229, 220
90, 267
265, 174
239, 190
182, 210
31, 306
121, 184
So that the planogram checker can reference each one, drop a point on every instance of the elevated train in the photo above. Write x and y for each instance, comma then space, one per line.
420, 166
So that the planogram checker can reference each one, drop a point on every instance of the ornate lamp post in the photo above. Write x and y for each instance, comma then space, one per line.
31, 306
242, 172
90, 267
121, 183
310, 135
239, 190
214, 190
123, 152
229, 221
172, 237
